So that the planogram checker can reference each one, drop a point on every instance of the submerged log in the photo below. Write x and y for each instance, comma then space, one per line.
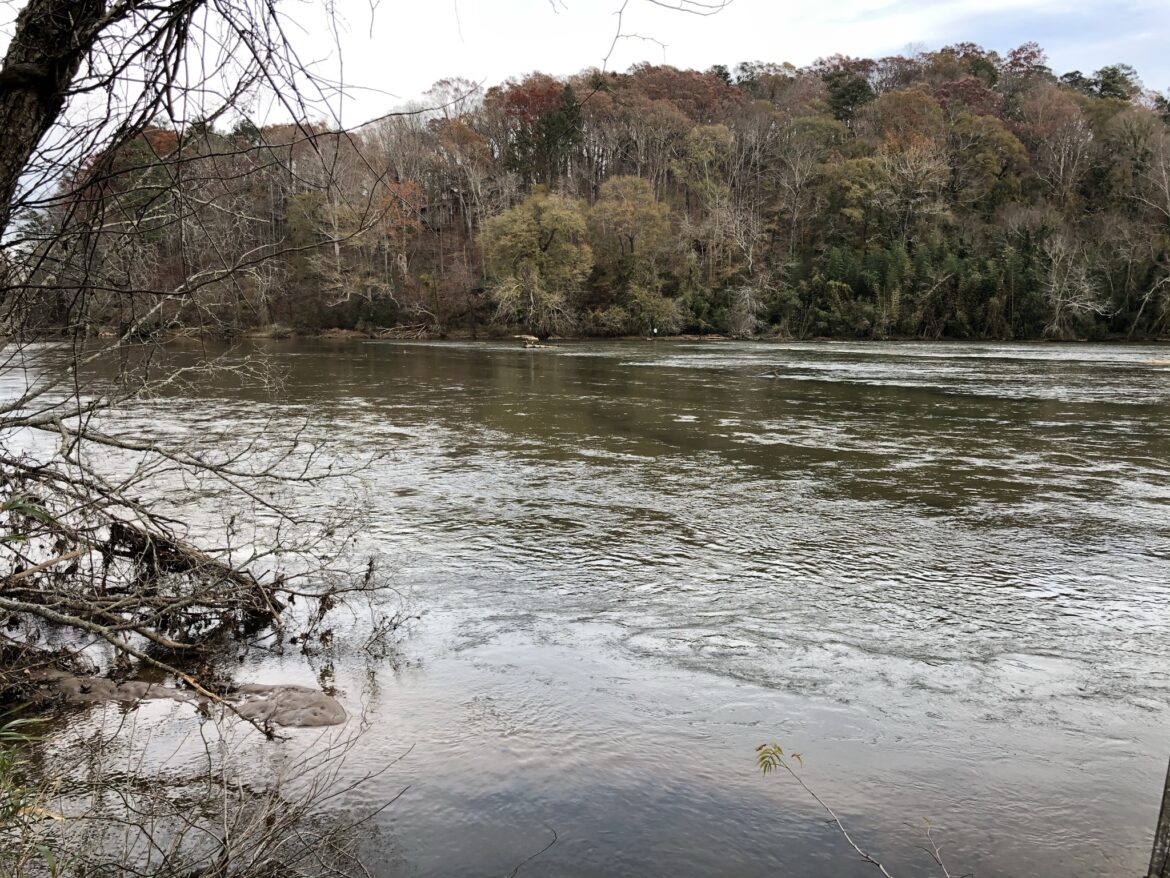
281, 704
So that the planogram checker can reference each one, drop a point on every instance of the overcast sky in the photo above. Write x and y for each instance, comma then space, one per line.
403, 47
393, 52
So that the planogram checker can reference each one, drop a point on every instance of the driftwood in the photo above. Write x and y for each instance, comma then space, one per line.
165, 554
403, 331
531, 341
149, 595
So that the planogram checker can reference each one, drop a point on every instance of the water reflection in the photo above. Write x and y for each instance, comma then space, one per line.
940, 571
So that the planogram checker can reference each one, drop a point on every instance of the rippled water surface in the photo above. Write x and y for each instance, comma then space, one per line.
941, 572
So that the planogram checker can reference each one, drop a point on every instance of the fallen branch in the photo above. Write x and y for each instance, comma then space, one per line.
45, 565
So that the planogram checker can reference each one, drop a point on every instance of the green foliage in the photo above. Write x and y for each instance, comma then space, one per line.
852, 188
18, 799
629, 230
848, 93
986, 162
540, 149
1119, 81
28, 506
537, 257
652, 313
720, 71
613, 320
247, 131
770, 757
701, 166
23, 506
1162, 106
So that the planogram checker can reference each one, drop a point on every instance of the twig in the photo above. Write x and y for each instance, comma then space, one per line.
771, 757
532, 857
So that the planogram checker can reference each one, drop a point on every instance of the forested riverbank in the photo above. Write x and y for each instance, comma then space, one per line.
959, 193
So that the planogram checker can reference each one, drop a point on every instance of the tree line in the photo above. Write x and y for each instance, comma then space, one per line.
957, 193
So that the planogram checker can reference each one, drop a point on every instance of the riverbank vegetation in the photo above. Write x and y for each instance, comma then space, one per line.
958, 193
142, 565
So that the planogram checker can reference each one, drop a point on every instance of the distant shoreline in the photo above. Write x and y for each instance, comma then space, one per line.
464, 336
283, 333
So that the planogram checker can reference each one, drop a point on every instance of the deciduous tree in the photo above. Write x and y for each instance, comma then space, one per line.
537, 256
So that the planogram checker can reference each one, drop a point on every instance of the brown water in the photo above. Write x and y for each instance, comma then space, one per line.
941, 572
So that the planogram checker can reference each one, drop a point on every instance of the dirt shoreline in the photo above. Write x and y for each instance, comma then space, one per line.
282, 333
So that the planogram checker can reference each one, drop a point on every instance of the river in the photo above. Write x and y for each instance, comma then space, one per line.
941, 572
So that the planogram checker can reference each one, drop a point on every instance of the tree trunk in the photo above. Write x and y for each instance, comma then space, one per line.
51, 39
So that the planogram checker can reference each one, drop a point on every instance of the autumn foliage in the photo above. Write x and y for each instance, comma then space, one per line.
955, 193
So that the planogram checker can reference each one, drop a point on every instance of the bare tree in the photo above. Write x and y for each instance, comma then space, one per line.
1068, 286
123, 212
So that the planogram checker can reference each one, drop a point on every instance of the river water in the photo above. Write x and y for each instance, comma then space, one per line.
939, 572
